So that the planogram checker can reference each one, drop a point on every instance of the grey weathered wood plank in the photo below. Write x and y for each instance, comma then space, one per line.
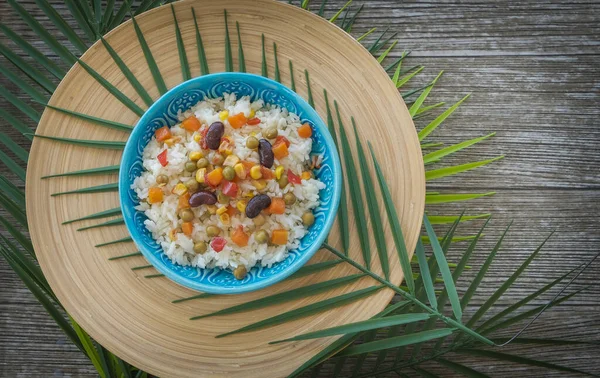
532, 68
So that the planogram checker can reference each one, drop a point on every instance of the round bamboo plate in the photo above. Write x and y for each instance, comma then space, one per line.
133, 316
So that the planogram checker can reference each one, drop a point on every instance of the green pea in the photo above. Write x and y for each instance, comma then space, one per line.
200, 248
213, 231
162, 179
289, 199
261, 236
202, 163
228, 173
308, 219
270, 133
190, 166
192, 185
252, 143
186, 215
240, 272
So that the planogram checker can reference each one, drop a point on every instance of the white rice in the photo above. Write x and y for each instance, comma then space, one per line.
163, 217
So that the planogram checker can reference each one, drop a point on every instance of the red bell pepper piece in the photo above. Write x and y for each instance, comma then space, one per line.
230, 189
253, 121
162, 158
293, 178
218, 244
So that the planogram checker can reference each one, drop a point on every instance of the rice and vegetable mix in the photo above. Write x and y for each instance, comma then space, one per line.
231, 186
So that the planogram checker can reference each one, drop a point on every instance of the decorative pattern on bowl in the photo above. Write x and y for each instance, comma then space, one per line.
164, 112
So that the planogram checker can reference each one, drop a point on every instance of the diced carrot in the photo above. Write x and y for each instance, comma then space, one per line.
283, 139
187, 228
191, 124
305, 131
279, 237
184, 201
155, 195
280, 150
163, 134
231, 210
267, 174
306, 175
215, 176
238, 120
277, 206
239, 237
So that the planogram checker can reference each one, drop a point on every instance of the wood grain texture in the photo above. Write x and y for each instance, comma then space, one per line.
532, 69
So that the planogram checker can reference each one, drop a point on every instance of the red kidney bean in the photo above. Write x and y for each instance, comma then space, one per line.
214, 135
257, 204
265, 153
202, 197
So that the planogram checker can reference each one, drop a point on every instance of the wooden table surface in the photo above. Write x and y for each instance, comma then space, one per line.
533, 70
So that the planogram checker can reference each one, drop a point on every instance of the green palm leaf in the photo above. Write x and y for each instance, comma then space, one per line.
127, 255
308, 310
154, 70
372, 206
355, 193
109, 145
12, 166
397, 341
426, 276
436, 122
436, 155
394, 222
444, 270
366, 325
277, 72
139, 88
285, 296
27, 69
22, 84
201, 53
431, 199
96, 120
62, 25
126, 239
241, 58
416, 106
11, 190
101, 214
20, 104
461, 369
92, 189
16, 124
110, 169
114, 222
19, 151
264, 67
228, 55
18, 236
454, 170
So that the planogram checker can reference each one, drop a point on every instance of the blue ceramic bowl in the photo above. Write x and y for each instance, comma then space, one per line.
164, 112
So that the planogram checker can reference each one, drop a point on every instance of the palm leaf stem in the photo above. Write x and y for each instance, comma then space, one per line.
451, 322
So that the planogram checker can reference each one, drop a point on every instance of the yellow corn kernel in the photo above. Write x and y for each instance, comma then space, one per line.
241, 206
240, 170
200, 173
248, 194
255, 172
172, 234
212, 209
231, 160
279, 172
195, 155
252, 113
221, 210
169, 142
306, 175
197, 137
223, 115
225, 219
259, 184
179, 189
253, 133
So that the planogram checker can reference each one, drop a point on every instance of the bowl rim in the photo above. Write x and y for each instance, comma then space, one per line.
130, 149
